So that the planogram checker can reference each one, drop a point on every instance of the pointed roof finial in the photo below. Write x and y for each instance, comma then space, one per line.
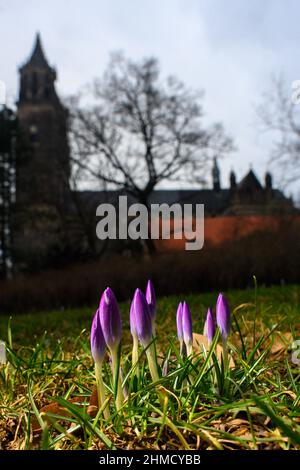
216, 174
232, 178
37, 58
268, 180
38, 42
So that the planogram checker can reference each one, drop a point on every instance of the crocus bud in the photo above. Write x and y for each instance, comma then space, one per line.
140, 318
223, 316
151, 298
179, 322
110, 319
187, 327
97, 339
209, 326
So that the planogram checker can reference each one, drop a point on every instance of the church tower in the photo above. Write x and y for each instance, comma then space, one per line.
42, 165
43, 175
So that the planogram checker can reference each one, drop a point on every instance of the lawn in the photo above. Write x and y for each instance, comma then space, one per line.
46, 386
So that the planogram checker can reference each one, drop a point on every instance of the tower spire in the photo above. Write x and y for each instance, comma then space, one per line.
232, 179
216, 175
37, 59
37, 76
38, 56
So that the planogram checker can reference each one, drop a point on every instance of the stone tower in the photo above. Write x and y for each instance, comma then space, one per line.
43, 164
43, 176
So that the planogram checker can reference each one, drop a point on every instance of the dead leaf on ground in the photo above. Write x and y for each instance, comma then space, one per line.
282, 342
200, 342
59, 410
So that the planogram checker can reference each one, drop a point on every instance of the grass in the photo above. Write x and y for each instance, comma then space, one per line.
196, 405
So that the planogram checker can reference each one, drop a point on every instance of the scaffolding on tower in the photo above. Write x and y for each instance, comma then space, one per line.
7, 187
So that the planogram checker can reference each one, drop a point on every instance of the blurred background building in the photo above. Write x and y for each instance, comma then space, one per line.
42, 218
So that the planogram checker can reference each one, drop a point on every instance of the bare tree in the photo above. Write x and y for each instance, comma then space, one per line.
279, 114
139, 131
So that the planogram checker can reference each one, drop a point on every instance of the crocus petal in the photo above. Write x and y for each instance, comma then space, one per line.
223, 316
179, 322
209, 326
110, 319
97, 339
140, 318
132, 320
187, 324
151, 298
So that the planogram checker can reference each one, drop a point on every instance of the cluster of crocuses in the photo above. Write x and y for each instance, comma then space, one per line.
184, 325
222, 318
107, 331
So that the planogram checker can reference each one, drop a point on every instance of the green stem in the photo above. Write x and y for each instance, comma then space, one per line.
135, 355
212, 366
117, 376
100, 389
189, 349
151, 356
152, 363
182, 349
189, 353
225, 354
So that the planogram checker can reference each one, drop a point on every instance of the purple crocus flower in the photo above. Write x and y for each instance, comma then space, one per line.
151, 298
223, 316
140, 318
97, 339
179, 322
187, 326
110, 319
209, 326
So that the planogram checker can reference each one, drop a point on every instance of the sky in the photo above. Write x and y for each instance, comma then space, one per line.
230, 49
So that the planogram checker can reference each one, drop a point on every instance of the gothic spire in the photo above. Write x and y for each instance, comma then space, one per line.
216, 175
232, 179
37, 58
